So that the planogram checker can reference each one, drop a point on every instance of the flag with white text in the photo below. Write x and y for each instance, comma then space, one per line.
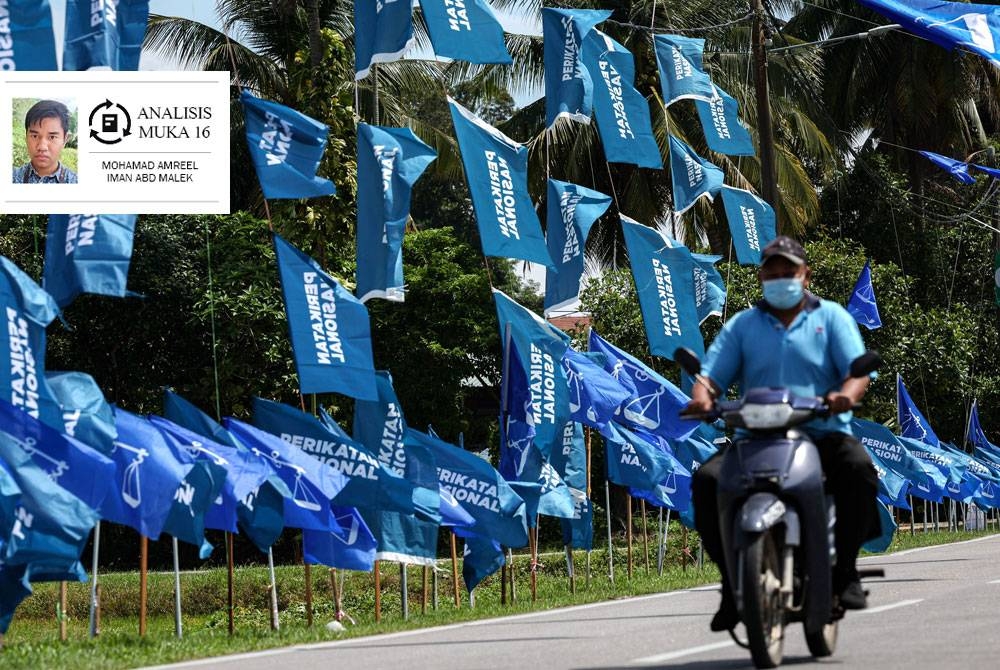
87, 253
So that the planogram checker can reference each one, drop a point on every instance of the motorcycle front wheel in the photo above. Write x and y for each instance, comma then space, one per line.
824, 642
763, 604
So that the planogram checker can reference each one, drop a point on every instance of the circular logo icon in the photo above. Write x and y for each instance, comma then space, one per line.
110, 123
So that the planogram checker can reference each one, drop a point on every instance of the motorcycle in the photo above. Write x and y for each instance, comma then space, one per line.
776, 521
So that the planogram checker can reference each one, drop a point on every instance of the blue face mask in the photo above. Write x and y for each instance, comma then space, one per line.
783, 293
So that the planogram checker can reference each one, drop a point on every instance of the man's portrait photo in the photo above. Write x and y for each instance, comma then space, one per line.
45, 148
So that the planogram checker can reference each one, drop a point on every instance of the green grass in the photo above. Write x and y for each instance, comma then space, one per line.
32, 640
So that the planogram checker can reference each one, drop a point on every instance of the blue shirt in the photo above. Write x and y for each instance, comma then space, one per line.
811, 357
27, 175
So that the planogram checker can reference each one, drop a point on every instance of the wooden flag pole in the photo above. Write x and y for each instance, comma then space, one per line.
178, 626
454, 570
645, 536
309, 595
628, 531
230, 595
423, 602
378, 591
143, 569
63, 601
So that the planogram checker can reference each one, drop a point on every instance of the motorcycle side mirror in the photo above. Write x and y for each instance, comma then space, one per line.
865, 364
688, 360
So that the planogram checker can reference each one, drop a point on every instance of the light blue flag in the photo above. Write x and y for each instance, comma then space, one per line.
496, 170
313, 484
481, 557
682, 74
595, 397
912, 423
664, 282
87, 253
403, 538
383, 31
888, 529
350, 545
479, 489
286, 148
540, 347
893, 487
862, 302
390, 160
693, 451
26, 310
957, 169
926, 481
329, 327
724, 132
466, 30
369, 482
691, 176
751, 223
28, 42
571, 212
656, 403
970, 26
622, 113
569, 89
104, 34
87, 416
709, 286
972, 465
635, 458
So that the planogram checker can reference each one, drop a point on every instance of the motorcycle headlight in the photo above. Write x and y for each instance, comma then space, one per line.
762, 417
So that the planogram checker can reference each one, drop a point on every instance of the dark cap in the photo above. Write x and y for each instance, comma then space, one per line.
785, 247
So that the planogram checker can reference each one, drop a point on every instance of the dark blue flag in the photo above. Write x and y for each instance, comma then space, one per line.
383, 31
957, 169
183, 413
286, 147
331, 424
466, 30
656, 403
724, 132
571, 212
350, 545
481, 557
664, 282
26, 38
691, 176
622, 112
862, 303
86, 415
595, 397
496, 170
369, 482
751, 223
101, 33
949, 466
568, 86
390, 160
329, 327
993, 172
87, 253
912, 423
682, 74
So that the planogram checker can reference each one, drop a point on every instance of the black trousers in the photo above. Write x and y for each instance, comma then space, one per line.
850, 478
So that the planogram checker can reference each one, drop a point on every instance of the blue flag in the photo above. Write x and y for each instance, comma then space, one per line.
691, 176
468, 30
331, 424
571, 211
957, 169
912, 423
569, 89
664, 282
656, 403
496, 170
383, 31
369, 482
724, 132
682, 74
286, 147
952, 469
578, 532
87, 416
479, 489
104, 34
984, 449
28, 43
403, 538
350, 545
331, 335
948, 24
540, 347
709, 286
87, 253
390, 160
183, 413
862, 303
481, 557
751, 223
693, 451
595, 397
27, 310
622, 112
926, 481
888, 526
993, 172
635, 458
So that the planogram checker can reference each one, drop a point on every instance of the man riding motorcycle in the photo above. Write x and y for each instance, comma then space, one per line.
795, 340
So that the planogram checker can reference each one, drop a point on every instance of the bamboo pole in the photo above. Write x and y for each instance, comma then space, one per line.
63, 601
378, 591
423, 602
454, 570
143, 575
645, 536
628, 531
309, 595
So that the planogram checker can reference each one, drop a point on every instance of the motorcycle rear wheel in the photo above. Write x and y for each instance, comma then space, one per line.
763, 604
824, 642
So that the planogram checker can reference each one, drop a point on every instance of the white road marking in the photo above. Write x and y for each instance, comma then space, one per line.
892, 606
995, 581
680, 653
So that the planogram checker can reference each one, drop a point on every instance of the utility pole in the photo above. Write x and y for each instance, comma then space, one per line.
765, 128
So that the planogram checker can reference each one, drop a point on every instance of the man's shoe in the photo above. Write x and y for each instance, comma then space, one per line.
727, 617
853, 597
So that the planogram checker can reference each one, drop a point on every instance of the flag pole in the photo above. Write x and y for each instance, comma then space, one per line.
230, 588
570, 570
404, 595
607, 510
178, 626
143, 570
503, 580
913, 517
378, 591
533, 548
93, 580
423, 603
63, 601
434, 588
510, 574
454, 570
309, 594
508, 565
274, 591
628, 531
645, 536
663, 542
589, 502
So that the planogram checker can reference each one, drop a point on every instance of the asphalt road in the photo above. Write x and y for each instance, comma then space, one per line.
938, 607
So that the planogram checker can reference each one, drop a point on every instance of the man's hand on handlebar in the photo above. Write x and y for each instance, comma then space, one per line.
698, 407
839, 402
